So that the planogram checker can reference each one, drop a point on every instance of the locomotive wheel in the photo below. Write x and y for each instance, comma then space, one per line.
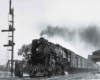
62, 72
45, 75
30, 73
53, 73
20, 74
49, 73
59, 71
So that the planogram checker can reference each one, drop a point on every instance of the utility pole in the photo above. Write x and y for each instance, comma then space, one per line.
11, 29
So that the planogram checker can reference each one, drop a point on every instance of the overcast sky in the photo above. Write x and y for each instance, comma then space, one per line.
33, 16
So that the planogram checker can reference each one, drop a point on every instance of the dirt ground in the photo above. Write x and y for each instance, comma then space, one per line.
89, 76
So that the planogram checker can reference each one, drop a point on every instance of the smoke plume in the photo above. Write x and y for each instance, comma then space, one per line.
89, 35
57, 31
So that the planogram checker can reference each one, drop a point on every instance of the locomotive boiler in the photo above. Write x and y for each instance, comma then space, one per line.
47, 58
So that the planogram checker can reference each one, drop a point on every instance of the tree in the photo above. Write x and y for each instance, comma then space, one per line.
24, 50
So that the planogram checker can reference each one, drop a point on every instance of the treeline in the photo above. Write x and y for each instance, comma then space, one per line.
2, 68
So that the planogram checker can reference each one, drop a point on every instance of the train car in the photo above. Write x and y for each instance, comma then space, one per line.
49, 59
78, 63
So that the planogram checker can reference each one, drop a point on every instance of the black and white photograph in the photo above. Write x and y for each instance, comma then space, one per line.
49, 39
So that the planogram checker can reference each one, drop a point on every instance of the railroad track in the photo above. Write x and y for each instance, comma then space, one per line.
66, 77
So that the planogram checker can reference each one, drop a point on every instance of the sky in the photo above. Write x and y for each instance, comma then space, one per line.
74, 24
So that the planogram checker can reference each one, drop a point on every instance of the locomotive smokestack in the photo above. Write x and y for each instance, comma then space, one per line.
10, 7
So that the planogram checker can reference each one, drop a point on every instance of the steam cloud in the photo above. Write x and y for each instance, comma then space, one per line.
89, 35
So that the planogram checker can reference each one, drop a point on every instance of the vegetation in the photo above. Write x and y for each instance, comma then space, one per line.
24, 50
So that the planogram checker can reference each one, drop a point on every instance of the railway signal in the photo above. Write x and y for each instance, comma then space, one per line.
11, 29
10, 43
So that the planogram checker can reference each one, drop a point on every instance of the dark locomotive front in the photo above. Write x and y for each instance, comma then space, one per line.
47, 58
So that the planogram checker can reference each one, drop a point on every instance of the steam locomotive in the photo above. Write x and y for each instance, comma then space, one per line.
48, 59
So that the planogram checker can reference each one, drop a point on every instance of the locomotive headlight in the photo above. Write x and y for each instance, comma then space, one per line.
37, 49
38, 42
